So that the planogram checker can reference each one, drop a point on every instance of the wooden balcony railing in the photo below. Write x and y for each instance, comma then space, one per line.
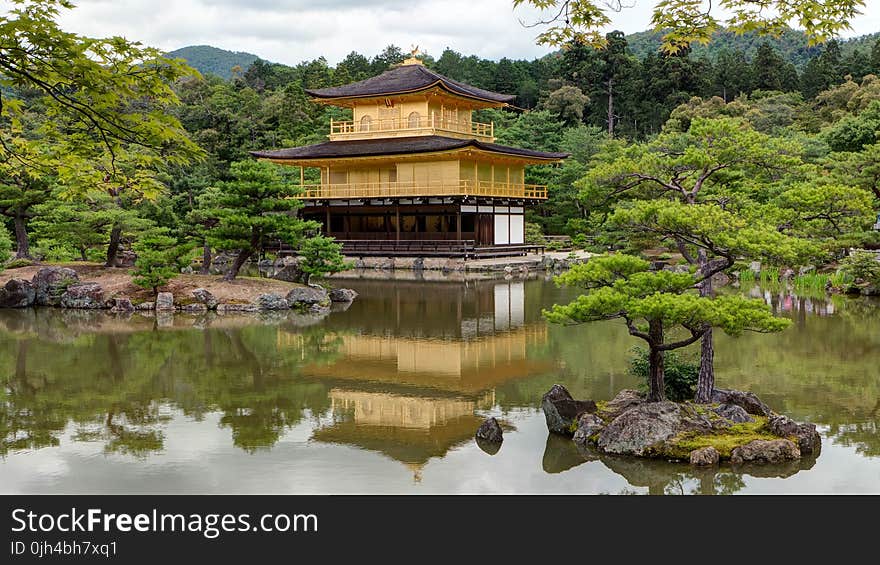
422, 189
432, 123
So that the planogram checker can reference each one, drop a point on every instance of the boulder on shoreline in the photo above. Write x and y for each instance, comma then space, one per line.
205, 297
705, 457
87, 295
308, 296
17, 293
748, 401
343, 295
50, 283
561, 410
641, 428
272, 301
164, 302
765, 451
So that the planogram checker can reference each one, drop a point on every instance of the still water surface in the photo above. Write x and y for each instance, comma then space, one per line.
385, 397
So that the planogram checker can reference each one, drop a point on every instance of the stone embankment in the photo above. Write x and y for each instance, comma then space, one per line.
61, 287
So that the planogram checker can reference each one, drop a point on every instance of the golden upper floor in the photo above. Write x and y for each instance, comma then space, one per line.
409, 100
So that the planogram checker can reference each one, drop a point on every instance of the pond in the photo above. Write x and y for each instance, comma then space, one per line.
385, 397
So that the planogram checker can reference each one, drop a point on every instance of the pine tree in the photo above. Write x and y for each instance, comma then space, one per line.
160, 258
257, 205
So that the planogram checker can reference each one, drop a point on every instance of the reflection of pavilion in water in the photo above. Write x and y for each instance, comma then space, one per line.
411, 393
787, 301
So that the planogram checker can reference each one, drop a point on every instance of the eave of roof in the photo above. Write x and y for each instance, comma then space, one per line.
407, 79
398, 146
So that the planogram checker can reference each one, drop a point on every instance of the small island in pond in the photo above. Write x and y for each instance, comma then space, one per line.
735, 426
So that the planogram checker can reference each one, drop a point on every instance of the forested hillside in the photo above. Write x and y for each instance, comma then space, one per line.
212, 60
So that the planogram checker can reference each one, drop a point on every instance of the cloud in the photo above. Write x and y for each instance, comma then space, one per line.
291, 31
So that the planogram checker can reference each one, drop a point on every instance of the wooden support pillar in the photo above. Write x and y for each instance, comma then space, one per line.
397, 217
458, 224
327, 219
302, 177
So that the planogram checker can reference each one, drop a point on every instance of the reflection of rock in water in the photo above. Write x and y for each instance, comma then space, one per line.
561, 454
490, 447
664, 477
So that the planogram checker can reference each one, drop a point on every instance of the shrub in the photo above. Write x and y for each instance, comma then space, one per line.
862, 266
322, 256
159, 259
680, 378
533, 234
20, 262
5, 247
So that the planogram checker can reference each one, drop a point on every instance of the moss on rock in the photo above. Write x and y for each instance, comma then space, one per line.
724, 440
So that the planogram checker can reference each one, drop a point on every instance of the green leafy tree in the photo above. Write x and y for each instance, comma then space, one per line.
256, 205
103, 93
687, 21
321, 256
657, 307
567, 102
160, 258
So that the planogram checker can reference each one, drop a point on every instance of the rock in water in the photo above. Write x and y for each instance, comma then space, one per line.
342, 295
490, 431
625, 399
808, 438
89, 295
765, 451
50, 283
305, 296
734, 413
705, 457
561, 410
272, 301
588, 425
205, 297
648, 425
17, 293
748, 401
164, 302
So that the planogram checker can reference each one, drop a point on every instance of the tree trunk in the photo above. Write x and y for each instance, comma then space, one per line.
82, 254
706, 379
113, 247
610, 107
22, 244
656, 384
243, 256
240, 260
206, 259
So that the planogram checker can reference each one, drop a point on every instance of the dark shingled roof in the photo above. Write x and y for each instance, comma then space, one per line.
397, 146
407, 78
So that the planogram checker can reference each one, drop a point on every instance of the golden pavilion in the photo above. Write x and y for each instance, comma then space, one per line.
412, 173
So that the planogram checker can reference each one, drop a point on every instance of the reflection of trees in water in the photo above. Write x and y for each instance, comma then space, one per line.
112, 386
664, 477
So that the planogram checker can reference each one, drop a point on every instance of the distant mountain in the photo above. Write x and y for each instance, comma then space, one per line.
791, 44
212, 60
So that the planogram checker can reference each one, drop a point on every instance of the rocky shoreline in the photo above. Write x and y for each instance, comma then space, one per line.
61, 287
736, 427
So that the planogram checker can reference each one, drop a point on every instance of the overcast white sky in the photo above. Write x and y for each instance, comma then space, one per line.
290, 31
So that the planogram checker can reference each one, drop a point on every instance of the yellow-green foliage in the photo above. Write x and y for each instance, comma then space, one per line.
724, 440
